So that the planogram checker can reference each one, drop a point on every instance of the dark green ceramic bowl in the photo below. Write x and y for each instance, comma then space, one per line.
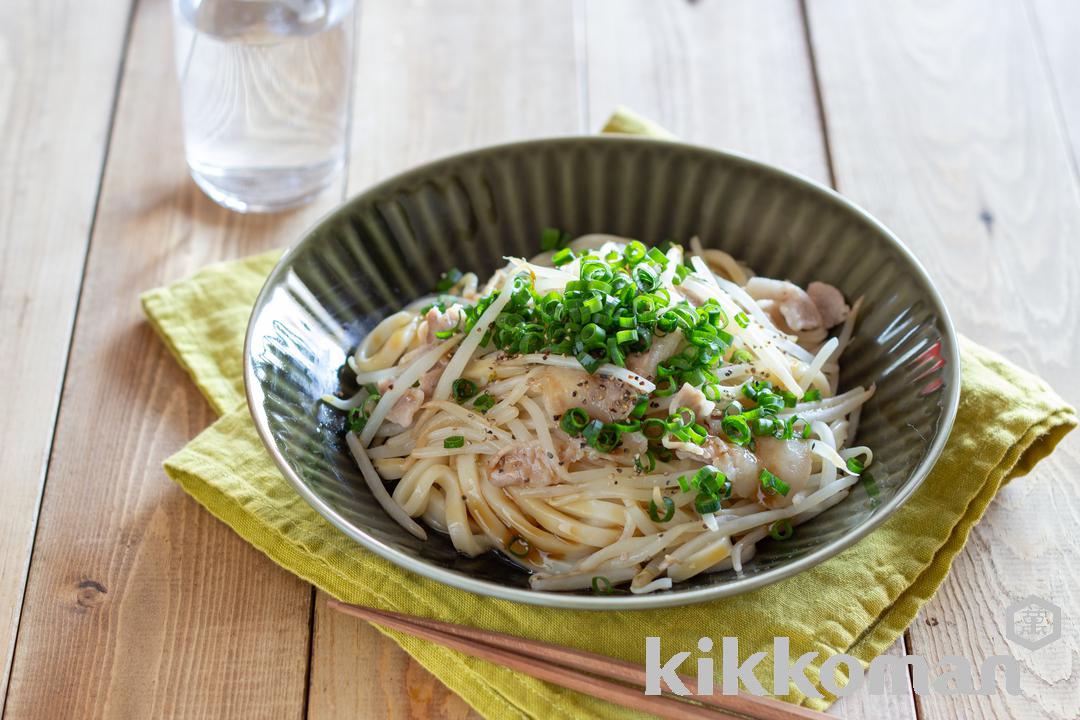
388, 246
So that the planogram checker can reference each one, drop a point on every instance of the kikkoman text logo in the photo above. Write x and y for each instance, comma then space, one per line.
1032, 623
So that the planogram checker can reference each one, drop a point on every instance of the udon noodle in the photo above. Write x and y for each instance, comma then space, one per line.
608, 413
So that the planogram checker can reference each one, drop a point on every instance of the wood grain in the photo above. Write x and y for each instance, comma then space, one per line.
139, 603
942, 123
897, 704
357, 672
57, 85
1056, 23
725, 74
433, 79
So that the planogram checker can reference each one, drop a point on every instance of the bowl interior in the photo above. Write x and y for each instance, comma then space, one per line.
389, 246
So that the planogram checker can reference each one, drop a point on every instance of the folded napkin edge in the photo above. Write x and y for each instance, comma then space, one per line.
185, 347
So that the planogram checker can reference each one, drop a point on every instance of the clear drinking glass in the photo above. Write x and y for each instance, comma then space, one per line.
264, 89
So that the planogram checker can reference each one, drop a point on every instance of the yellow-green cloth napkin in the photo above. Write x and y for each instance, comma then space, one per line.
857, 603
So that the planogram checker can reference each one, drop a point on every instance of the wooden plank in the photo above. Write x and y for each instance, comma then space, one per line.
725, 74
357, 672
57, 85
139, 603
734, 75
864, 706
942, 122
1056, 23
437, 78
415, 57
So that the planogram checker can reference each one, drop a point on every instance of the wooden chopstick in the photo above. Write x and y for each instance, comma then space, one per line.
605, 675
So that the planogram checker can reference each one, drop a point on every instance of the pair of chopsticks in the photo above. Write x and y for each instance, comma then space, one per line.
607, 678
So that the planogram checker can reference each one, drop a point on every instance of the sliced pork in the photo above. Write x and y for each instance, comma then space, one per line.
405, 408
829, 302
604, 398
663, 347
523, 463
793, 303
690, 397
442, 320
789, 460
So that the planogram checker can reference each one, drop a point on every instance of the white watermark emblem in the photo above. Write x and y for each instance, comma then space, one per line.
1033, 623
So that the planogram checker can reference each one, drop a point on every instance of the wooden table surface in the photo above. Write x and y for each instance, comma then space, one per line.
957, 123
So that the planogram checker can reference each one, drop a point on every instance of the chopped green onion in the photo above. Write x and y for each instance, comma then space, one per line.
484, 403
574, 421
657, 256
669, 510
641, 408
755, 388
602, 586
607, 439
518, 546
710, 480
627, 425
646, 278
868, 483
463, 389
772, 485
591, 432
741, 320
653, 428
737, 429
855, 465
641, 467
588, 362
705, 503
562, 257
356, 420
789, 398
713, 392
549, 238
449, 279
454, 441
741, 355
683, 484
595, 271
781, 530
553, 239
786, 431
635, 252
683, 417
592, 335
812, 395
615, 355
769, 402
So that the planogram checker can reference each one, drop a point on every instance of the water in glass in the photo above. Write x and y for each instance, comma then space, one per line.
265, 94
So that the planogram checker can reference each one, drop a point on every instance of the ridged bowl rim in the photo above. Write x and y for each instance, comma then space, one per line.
675, 597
